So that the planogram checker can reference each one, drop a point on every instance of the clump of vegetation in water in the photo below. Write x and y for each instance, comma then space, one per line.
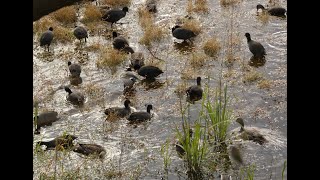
198, 6
110, 58
212, 47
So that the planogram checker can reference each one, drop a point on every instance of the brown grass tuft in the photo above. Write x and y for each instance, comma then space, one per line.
265, 84
152, 34
110, 58
252, 77
212, 47
63, 34
198, 60
116, 3
226, 3
145, 17
91, 14
43, 24
201, 6
189, 6
66, 15
192, 25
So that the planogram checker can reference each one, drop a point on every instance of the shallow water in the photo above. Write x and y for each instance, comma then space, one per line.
264, 109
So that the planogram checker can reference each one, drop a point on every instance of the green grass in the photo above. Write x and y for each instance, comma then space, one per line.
195, 148
247, 173
219, 114
166, 156
283, 169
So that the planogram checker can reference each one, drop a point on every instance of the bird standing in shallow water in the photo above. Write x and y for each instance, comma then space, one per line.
46, 38
45, 119
75, 98
59, 143
137, 117
182, 33
250, 134
119, 42
75, 69
275, 11
80, 33
90, 149
194, 93
115, 15
255, 47
120, 111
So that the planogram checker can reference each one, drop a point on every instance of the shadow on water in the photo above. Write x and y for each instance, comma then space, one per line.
184, 46
257, 61
75, 81
151, 84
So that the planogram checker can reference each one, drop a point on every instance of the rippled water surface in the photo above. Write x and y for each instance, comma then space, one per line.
262, 108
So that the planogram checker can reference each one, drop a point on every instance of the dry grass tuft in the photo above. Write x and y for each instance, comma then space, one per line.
192, 25
151, 34
117, 3
198, 6
190, 6
66, 15
252, 77
63, 34
265, 84
212, 47
226, 3
110, 58
198, 60
188, 73
145, 17
201, 6
91, 14
43, 24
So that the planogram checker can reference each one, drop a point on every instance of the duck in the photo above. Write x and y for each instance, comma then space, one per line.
59, 143
255, 47
275, 11
75, 69
119, 42
128, 84
45, 119
115, 15
90, 149
120, 111
149, 72
179, 146
46, 38
75, 98
250, 134
235, 154
141, 116
80, 33
194, 93
182, 33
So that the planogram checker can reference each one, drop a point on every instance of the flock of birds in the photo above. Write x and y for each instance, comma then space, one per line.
193, 93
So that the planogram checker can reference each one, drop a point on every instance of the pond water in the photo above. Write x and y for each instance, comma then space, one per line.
139, 146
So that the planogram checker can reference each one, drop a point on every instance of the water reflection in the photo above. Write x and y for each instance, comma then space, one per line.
75, 81
257, 61
184, 46
151, 84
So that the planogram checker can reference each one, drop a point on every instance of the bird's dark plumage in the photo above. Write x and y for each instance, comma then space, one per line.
194, 93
